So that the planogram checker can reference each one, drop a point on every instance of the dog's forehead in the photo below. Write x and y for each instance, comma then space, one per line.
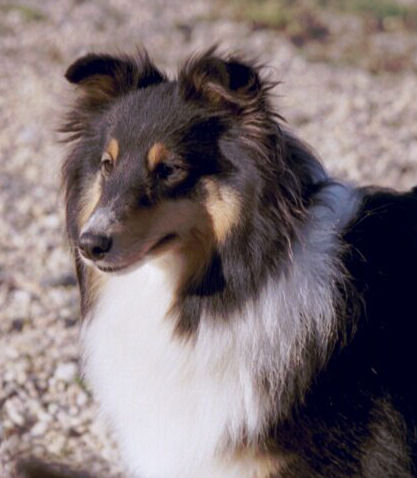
149, 115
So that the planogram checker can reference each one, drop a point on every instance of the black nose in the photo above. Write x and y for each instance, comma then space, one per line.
94, 246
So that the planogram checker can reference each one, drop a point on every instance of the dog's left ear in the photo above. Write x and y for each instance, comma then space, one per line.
105, 77
230, 84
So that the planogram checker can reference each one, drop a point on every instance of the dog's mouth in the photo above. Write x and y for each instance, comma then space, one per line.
111, 269
167, 239
123, 264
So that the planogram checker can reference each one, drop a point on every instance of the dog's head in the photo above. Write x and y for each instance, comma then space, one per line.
160, 164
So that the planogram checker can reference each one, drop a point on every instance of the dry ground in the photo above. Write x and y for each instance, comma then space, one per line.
364, 126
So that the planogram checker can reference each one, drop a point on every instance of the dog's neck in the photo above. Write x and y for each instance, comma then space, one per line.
194, 396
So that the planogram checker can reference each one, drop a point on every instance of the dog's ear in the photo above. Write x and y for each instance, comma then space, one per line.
221, 83
105, 77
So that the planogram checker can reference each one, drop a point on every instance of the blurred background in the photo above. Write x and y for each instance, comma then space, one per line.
348, 72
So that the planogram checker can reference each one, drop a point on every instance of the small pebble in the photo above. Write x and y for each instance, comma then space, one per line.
39, 429
62, 280
17, 325
66, 372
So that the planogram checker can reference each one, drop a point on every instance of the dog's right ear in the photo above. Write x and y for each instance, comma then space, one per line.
104, 77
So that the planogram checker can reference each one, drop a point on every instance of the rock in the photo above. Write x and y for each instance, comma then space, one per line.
82, 399
70, 322
66, 372
67, 279
14, 410
39, 429
17, 325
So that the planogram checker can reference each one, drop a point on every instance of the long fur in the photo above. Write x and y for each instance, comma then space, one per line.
234, 377
235, 340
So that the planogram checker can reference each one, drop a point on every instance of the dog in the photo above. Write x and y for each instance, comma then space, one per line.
244, 314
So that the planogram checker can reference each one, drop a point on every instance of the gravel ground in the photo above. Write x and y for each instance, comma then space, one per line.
364, 127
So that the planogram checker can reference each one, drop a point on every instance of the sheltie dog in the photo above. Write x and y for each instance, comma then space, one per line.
244, 315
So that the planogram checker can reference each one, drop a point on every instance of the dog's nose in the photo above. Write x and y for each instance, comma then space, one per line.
94, 246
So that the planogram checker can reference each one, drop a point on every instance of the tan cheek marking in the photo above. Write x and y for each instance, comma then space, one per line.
113, 149
89, 199
223, 205
156, 154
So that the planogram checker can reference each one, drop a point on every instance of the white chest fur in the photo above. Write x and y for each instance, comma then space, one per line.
170, 403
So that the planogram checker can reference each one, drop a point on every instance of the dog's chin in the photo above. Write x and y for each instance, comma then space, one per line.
133, 261
109, 267
118, 268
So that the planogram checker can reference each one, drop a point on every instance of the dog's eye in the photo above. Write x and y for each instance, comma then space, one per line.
163, 171
172, 172
106, 164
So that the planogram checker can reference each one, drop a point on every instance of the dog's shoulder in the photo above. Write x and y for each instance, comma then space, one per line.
382, 246
381, 259
384, 228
